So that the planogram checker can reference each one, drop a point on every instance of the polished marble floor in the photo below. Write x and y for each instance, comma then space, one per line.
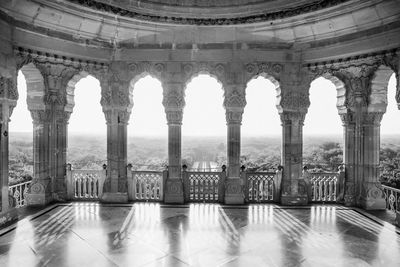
143, 234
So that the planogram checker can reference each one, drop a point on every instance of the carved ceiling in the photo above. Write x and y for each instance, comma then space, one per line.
208, 12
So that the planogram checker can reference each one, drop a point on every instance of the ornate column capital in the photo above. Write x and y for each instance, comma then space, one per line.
294, 101
8, 88
174, 102
372, 118
234, 103
41, 116
292, 117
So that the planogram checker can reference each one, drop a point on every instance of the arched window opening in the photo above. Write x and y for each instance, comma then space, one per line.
390, 143
322, 132
261, 127
147, 129
20, 138
204, 125
87, 131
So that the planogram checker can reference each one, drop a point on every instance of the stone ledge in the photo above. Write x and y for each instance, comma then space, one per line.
114, 198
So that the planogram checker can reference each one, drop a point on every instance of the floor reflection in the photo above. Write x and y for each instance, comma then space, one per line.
151, 234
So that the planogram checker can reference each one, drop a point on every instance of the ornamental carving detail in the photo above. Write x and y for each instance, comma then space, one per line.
154, 69
234, 116
244, 19
8, 88
174, 116
234, 99
217, 70
25, 56
173, 99
271, 68
233, 187
292, 117
373, 118
294, 100
41, 116
356, 73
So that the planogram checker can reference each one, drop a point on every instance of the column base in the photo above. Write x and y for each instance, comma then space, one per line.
294, 200
38, 199
397, 220
234, 192
373, 197
114, 197
39, 193
174, 192
8, 217
373, 204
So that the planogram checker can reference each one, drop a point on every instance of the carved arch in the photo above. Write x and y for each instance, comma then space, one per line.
378, 98
273, 80
35, 86
70, 89
338, 79
218, 71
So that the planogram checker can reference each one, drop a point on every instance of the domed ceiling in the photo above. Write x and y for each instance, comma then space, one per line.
208, 12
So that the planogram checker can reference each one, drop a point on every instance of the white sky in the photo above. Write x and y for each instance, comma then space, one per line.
204, 114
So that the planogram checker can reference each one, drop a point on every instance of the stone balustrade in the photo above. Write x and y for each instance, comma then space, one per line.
18, 192
146, 185
85, 184
392, 198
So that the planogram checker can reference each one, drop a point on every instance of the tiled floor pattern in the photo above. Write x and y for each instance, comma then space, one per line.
142, 234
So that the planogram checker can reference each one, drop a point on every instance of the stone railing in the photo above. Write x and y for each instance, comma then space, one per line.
392, 197
146, 185
323, 186
204, 186
85, 184
18, 192
261, 186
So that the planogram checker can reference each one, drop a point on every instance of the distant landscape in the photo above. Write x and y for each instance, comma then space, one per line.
320, 153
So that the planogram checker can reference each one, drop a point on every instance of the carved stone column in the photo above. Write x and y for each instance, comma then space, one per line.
174, 103
351, 154
372, 196
234, 105
8, 101
41, 189
116, 107
115, 186
292, 158
50, 120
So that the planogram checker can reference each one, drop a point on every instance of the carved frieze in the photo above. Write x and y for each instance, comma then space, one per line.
138, 69
41, 116
8, 88
234, 99
294, 100
356, 73
25, 56
270, 68
217, 70
267, 15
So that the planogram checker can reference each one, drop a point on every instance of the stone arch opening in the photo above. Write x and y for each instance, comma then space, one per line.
21, 130
261, 125
322, 131
378, 98
389, 165
86, 128
204, 123
147, 128
34, 86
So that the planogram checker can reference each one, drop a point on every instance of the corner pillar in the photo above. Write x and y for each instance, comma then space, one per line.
8, 213
371, 195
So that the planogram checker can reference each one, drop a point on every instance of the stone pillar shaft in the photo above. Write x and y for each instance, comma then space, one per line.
292, 158
115, 187
233, 185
